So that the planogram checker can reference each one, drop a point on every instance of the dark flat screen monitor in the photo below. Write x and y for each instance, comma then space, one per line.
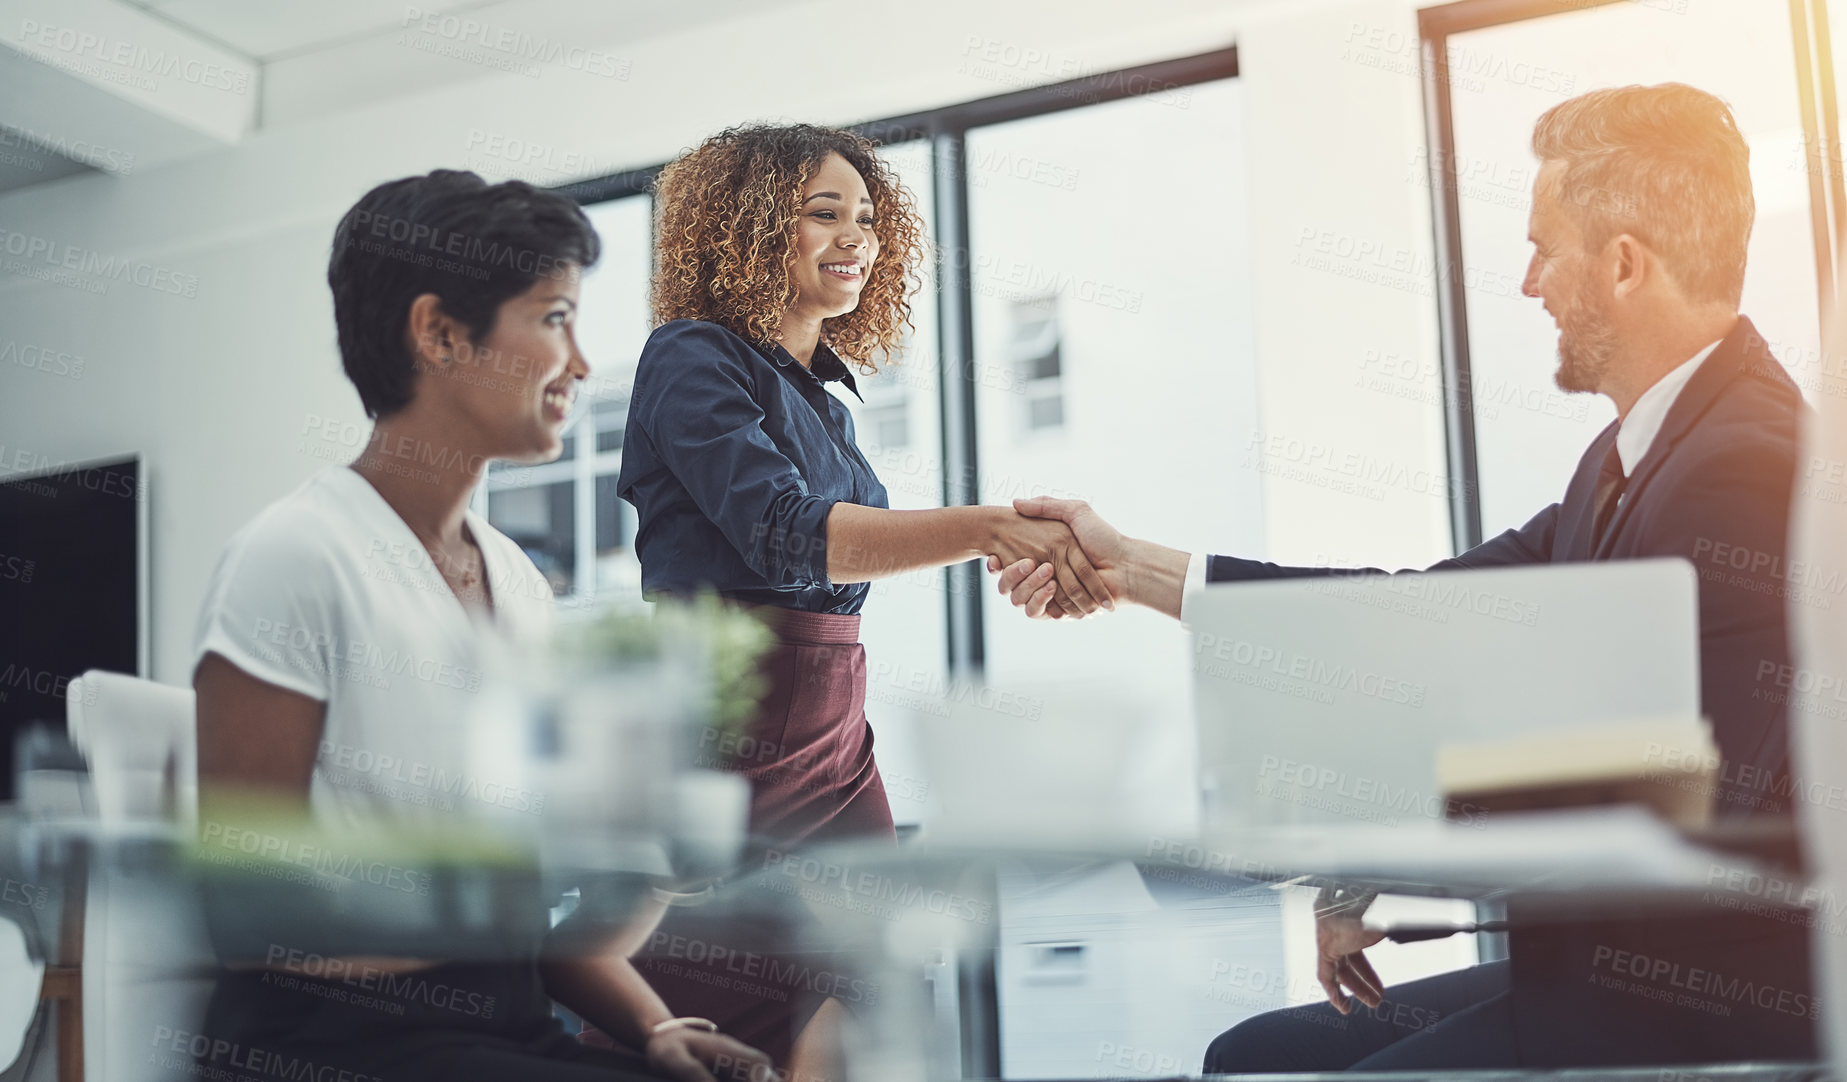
73, 587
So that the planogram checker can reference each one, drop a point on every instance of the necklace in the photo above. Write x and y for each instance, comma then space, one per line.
468, 569
471, 574
463, 572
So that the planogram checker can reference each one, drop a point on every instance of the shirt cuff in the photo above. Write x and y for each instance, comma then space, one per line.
1195, 582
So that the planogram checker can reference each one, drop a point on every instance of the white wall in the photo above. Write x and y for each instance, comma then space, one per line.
216, 389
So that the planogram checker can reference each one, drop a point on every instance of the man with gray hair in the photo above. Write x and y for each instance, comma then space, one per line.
1642, 211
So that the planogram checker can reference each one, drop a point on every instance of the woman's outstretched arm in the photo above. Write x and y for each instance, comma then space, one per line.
868, 543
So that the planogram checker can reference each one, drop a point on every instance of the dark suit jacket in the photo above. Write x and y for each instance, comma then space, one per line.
1715, 489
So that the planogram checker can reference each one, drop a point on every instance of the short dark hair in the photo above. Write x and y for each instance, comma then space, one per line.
473, 244
1665, 163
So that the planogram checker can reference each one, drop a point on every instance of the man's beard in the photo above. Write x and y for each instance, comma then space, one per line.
1586, 345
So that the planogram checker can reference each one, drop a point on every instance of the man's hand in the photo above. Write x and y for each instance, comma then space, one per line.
1138, 572
1053, 546
1340, 940
1030, 585
693, 1055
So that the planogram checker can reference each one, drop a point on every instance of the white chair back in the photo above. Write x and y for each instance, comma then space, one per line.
140, 740
145, 945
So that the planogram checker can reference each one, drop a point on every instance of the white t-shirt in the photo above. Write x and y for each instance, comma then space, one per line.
328, 593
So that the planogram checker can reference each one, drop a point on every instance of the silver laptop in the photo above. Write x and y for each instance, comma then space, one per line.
1324, 700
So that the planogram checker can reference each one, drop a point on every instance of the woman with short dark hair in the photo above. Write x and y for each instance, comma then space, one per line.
455, 302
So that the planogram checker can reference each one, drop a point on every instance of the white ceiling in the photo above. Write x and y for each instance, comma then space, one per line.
268, 29
307, 59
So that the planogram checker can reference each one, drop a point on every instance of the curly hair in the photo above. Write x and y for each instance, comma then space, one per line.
725, 225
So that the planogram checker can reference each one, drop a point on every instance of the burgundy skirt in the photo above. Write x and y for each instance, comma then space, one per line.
808, 752
808, 756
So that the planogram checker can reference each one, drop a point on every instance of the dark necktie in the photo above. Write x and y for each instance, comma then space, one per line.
1610, 484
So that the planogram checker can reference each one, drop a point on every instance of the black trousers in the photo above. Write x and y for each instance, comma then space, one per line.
1461, 1019
1686, 988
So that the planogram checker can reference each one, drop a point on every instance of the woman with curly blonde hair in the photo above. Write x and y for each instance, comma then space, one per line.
786, 257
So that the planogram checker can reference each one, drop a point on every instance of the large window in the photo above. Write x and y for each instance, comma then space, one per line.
1112, 324
1527, 435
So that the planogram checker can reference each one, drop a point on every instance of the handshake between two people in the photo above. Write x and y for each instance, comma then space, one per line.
1061, 560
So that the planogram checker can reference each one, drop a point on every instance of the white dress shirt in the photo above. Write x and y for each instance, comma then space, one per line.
1633, 440
1643, 424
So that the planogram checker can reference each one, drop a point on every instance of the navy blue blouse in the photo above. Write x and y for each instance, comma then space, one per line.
733, 457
